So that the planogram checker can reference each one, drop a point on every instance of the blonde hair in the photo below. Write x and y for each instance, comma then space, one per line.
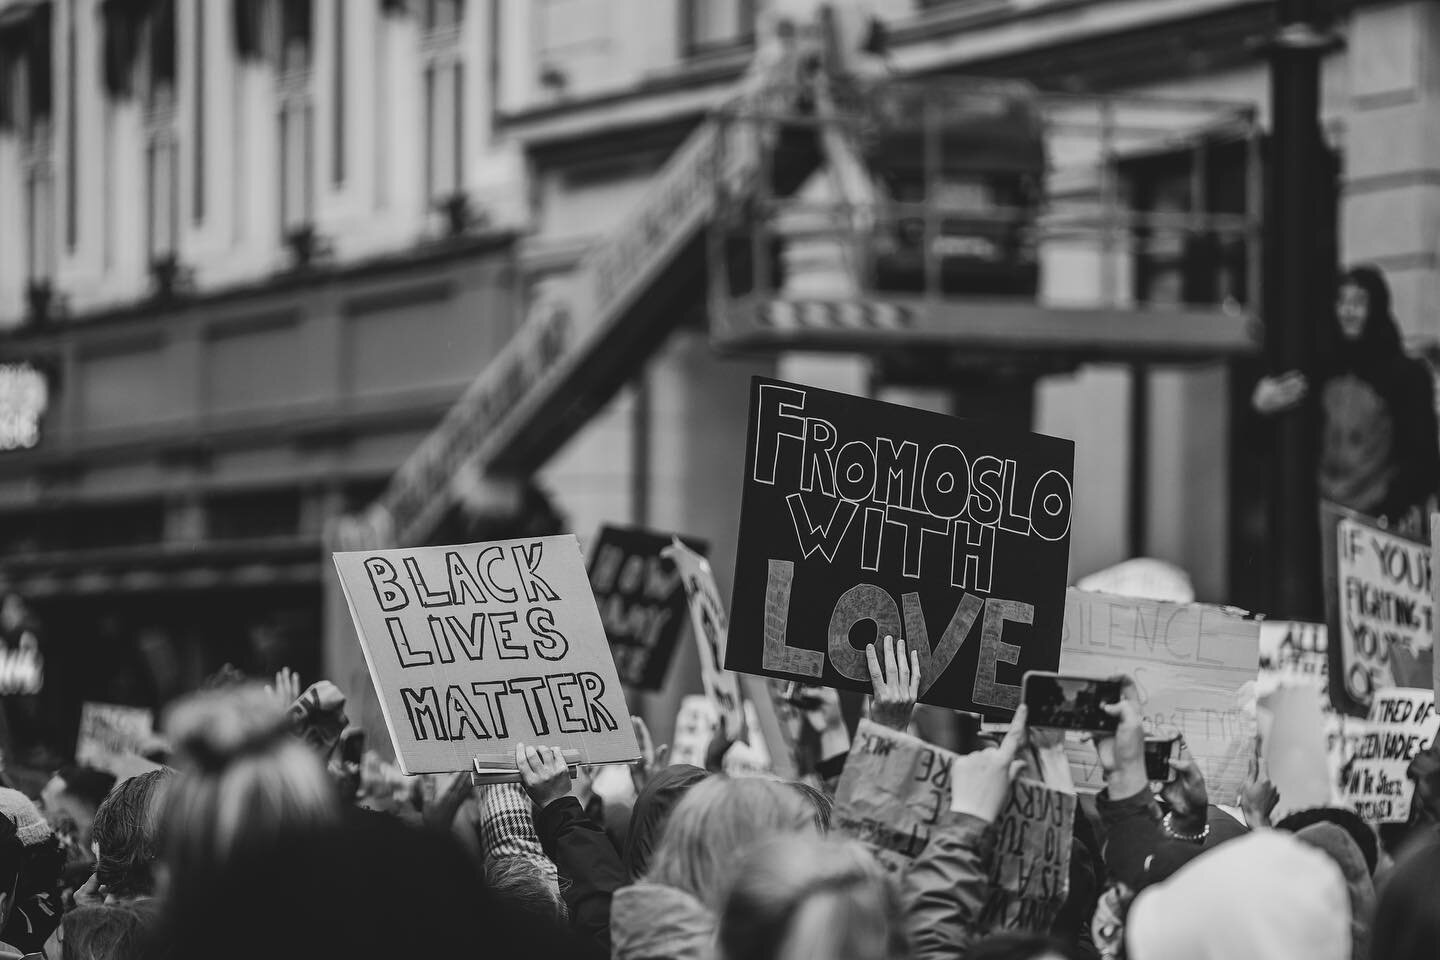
715, 822
812, 899
245, 779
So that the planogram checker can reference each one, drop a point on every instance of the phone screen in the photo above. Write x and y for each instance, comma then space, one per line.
1157, 759
1070, 703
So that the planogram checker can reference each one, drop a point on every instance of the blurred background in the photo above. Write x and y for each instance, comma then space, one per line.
506, 266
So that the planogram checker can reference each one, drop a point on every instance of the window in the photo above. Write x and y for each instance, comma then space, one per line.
444, 109
296, 117
296, 36
710, 25
162, 152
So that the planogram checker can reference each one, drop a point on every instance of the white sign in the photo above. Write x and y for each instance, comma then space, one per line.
711, 630
24, 396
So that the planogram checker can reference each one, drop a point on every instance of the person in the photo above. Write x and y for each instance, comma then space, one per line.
244, 781
1024, 946
38, 903
69, 801
672, 912
1380, 442
1335, 843
801, 897
653, 806
114, 931
365, 885
125, 836
1407, 925
1263, 896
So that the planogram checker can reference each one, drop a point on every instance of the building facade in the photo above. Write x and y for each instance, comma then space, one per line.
258, 247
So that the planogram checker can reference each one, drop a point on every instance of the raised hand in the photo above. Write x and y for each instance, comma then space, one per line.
980, 781
896, 687
1122, 754
286, 689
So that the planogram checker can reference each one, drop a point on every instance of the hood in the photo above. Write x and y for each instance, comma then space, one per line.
652, 808
1336, 844
649, 920
1278, 898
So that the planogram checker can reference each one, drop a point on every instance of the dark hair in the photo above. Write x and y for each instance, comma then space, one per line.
116, 931
824, 806
1380, 340
1406, 924
87, 783
125, 831
1022, 946
1347, 820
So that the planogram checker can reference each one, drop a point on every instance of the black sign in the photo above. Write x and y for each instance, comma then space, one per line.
642, 601
862, 519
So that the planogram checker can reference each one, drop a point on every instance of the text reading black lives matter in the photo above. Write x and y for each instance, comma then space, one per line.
472, 614
862, 519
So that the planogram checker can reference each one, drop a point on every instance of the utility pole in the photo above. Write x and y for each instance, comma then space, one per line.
1298, 296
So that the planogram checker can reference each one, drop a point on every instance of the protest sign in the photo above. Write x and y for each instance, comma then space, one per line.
474, 648
697, 724
1402, 724
1379, 609
1194, 668
1030, 873
641, 600
712, 629
112, 737
894, 792
862, 519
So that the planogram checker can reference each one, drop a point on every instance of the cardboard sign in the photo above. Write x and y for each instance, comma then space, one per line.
642, 602
1380, 611
712, 630
697, 724
474, 648
1402, 724
894, 792
1030, 875
113, 737
862, 519
1194, 666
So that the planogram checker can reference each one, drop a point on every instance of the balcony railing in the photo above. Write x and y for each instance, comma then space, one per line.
972, 189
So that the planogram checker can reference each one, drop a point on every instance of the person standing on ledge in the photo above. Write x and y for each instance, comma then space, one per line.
1380, 441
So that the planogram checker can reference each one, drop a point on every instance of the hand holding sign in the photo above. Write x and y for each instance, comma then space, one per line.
543, 773
897, 687
980, 782
1186, 794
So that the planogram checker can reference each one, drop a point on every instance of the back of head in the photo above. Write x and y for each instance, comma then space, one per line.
118, 931
1265, 896
1347, 820
244, 780
368, 886
1407, 925
715, 823
653, 806
803, 898
126, 833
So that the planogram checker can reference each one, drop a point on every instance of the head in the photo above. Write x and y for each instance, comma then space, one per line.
244, 780
820, 800
77, 792
1407, 925
1347, 820
716, 822
1023, 946
1363, 312
1277, 897
126, 835
41, 857
368, 886
653, 806
118, 931
804, 898
520, 883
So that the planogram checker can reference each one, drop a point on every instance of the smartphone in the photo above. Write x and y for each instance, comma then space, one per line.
1158, 754
1069, 703
968, 731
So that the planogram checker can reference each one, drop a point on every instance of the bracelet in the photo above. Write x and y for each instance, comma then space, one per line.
1167, 824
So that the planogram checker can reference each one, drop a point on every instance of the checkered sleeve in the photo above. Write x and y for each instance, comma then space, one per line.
507, 829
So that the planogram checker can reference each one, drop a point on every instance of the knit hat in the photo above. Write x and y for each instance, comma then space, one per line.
1265, 896
30, 827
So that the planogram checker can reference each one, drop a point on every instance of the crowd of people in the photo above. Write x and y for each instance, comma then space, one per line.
259, 835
